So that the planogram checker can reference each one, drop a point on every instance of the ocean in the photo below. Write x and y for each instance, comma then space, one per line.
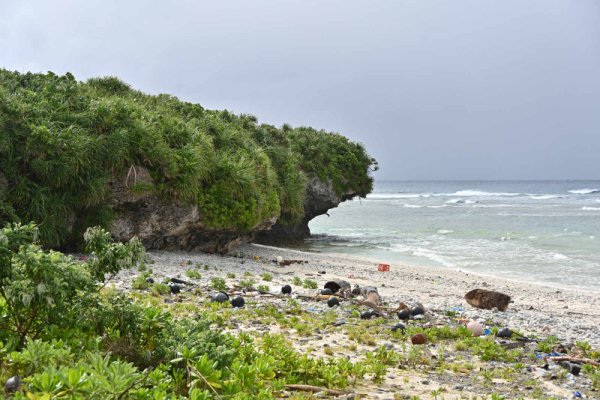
534, 231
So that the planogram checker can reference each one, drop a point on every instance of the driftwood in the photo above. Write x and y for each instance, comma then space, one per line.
284, 263
315, 389
574, 360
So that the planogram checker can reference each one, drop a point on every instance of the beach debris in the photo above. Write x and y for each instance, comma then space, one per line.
175, 288
487, 299
286, 289
338, 286
418, 310
238, 302
418, 338
383, 267
574, 369
475, 328
369, 314
180, 281
326, 292
149, 280
504, 333
400, 326
220, 297
284, 263
333, 301
279, 260
404, 314
12, 384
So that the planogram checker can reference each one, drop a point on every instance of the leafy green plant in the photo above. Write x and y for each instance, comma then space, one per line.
192, 273
310, 284
296, 281
218, 284
267, 277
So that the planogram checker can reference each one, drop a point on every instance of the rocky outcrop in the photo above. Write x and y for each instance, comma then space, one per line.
320, 197
139, 212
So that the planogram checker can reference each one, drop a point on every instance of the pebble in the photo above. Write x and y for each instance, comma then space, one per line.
418, 310
175, 288
504, 333
149, 280
326, 292
475, 328
400, 326
404, 314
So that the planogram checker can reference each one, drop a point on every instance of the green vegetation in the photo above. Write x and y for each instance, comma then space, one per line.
62, 141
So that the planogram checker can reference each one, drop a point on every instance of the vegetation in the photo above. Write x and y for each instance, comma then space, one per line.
62, 141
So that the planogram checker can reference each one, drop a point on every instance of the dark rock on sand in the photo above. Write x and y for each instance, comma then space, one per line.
175, 288
326, 292
487, 299
149, 280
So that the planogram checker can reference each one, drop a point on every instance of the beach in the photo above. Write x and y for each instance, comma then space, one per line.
537, 312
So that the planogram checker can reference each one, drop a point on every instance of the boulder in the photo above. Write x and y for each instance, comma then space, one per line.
488, 299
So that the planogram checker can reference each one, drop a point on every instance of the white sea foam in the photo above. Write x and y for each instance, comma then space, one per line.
585, 208
585, 191
444, 231
544, 196
479, 193
412, 206
559, 256
455, 201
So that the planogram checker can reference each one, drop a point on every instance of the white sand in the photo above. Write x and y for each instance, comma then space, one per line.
571, 315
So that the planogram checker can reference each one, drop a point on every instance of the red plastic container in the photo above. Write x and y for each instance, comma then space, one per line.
383, 267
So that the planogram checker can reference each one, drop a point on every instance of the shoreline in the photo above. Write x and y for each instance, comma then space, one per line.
537, 310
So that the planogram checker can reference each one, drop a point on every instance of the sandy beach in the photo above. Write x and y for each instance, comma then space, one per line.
536, 312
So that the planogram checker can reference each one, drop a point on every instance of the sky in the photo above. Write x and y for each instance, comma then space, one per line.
435, 90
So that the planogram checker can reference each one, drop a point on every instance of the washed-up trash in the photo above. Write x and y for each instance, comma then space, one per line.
577, 394
333, 301
220, 297
487, 299
418, 310
383, 267
12, 384
286, 289
504, 333
487, 331
238, 302
573, 368
338, 286
404, 314
419, 338
456, 309
475, 328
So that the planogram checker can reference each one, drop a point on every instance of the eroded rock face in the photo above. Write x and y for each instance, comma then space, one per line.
320, 197
172, 226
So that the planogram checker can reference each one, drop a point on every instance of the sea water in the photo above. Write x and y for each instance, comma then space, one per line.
539, 231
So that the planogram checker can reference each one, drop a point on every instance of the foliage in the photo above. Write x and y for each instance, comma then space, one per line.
63, 141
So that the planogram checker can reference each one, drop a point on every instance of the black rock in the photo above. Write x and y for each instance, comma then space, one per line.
404, 314
149, 280
220, 297
322, 272
333, 301
504, 333
287, 289
175, 288
400, 326
575, 369
177, 280
238, 302
418, 310
326, 292
12, 384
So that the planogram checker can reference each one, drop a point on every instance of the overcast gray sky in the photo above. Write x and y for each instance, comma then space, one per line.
434, 89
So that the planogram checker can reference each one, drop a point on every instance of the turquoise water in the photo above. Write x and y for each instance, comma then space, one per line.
541, 231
